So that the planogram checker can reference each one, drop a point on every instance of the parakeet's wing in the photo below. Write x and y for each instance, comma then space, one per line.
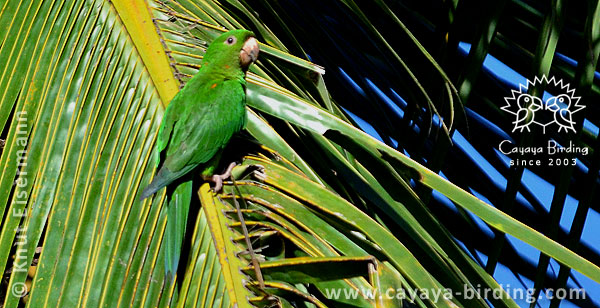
203, 121
521, 118
207, 126
168, 122
566, 116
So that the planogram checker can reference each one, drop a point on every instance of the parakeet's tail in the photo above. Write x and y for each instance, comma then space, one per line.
178, 207
177, 215
163, 178
156, 184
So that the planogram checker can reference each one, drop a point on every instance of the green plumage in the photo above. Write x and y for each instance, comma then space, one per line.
197, 124
203, 116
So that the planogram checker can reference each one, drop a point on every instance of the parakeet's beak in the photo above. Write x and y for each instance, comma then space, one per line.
249, 53
536, 104
552, 105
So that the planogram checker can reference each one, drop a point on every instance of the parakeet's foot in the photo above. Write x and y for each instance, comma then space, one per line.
566, 128
218, 178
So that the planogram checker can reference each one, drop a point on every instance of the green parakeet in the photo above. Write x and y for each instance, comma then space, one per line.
197, 125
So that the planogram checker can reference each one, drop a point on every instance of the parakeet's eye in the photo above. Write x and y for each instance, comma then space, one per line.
230, 40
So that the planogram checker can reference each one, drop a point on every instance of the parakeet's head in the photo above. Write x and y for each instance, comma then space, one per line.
232, 51
526, 101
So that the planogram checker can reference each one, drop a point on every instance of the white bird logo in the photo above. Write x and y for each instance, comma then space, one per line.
560, 105
528, 105
532, 110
